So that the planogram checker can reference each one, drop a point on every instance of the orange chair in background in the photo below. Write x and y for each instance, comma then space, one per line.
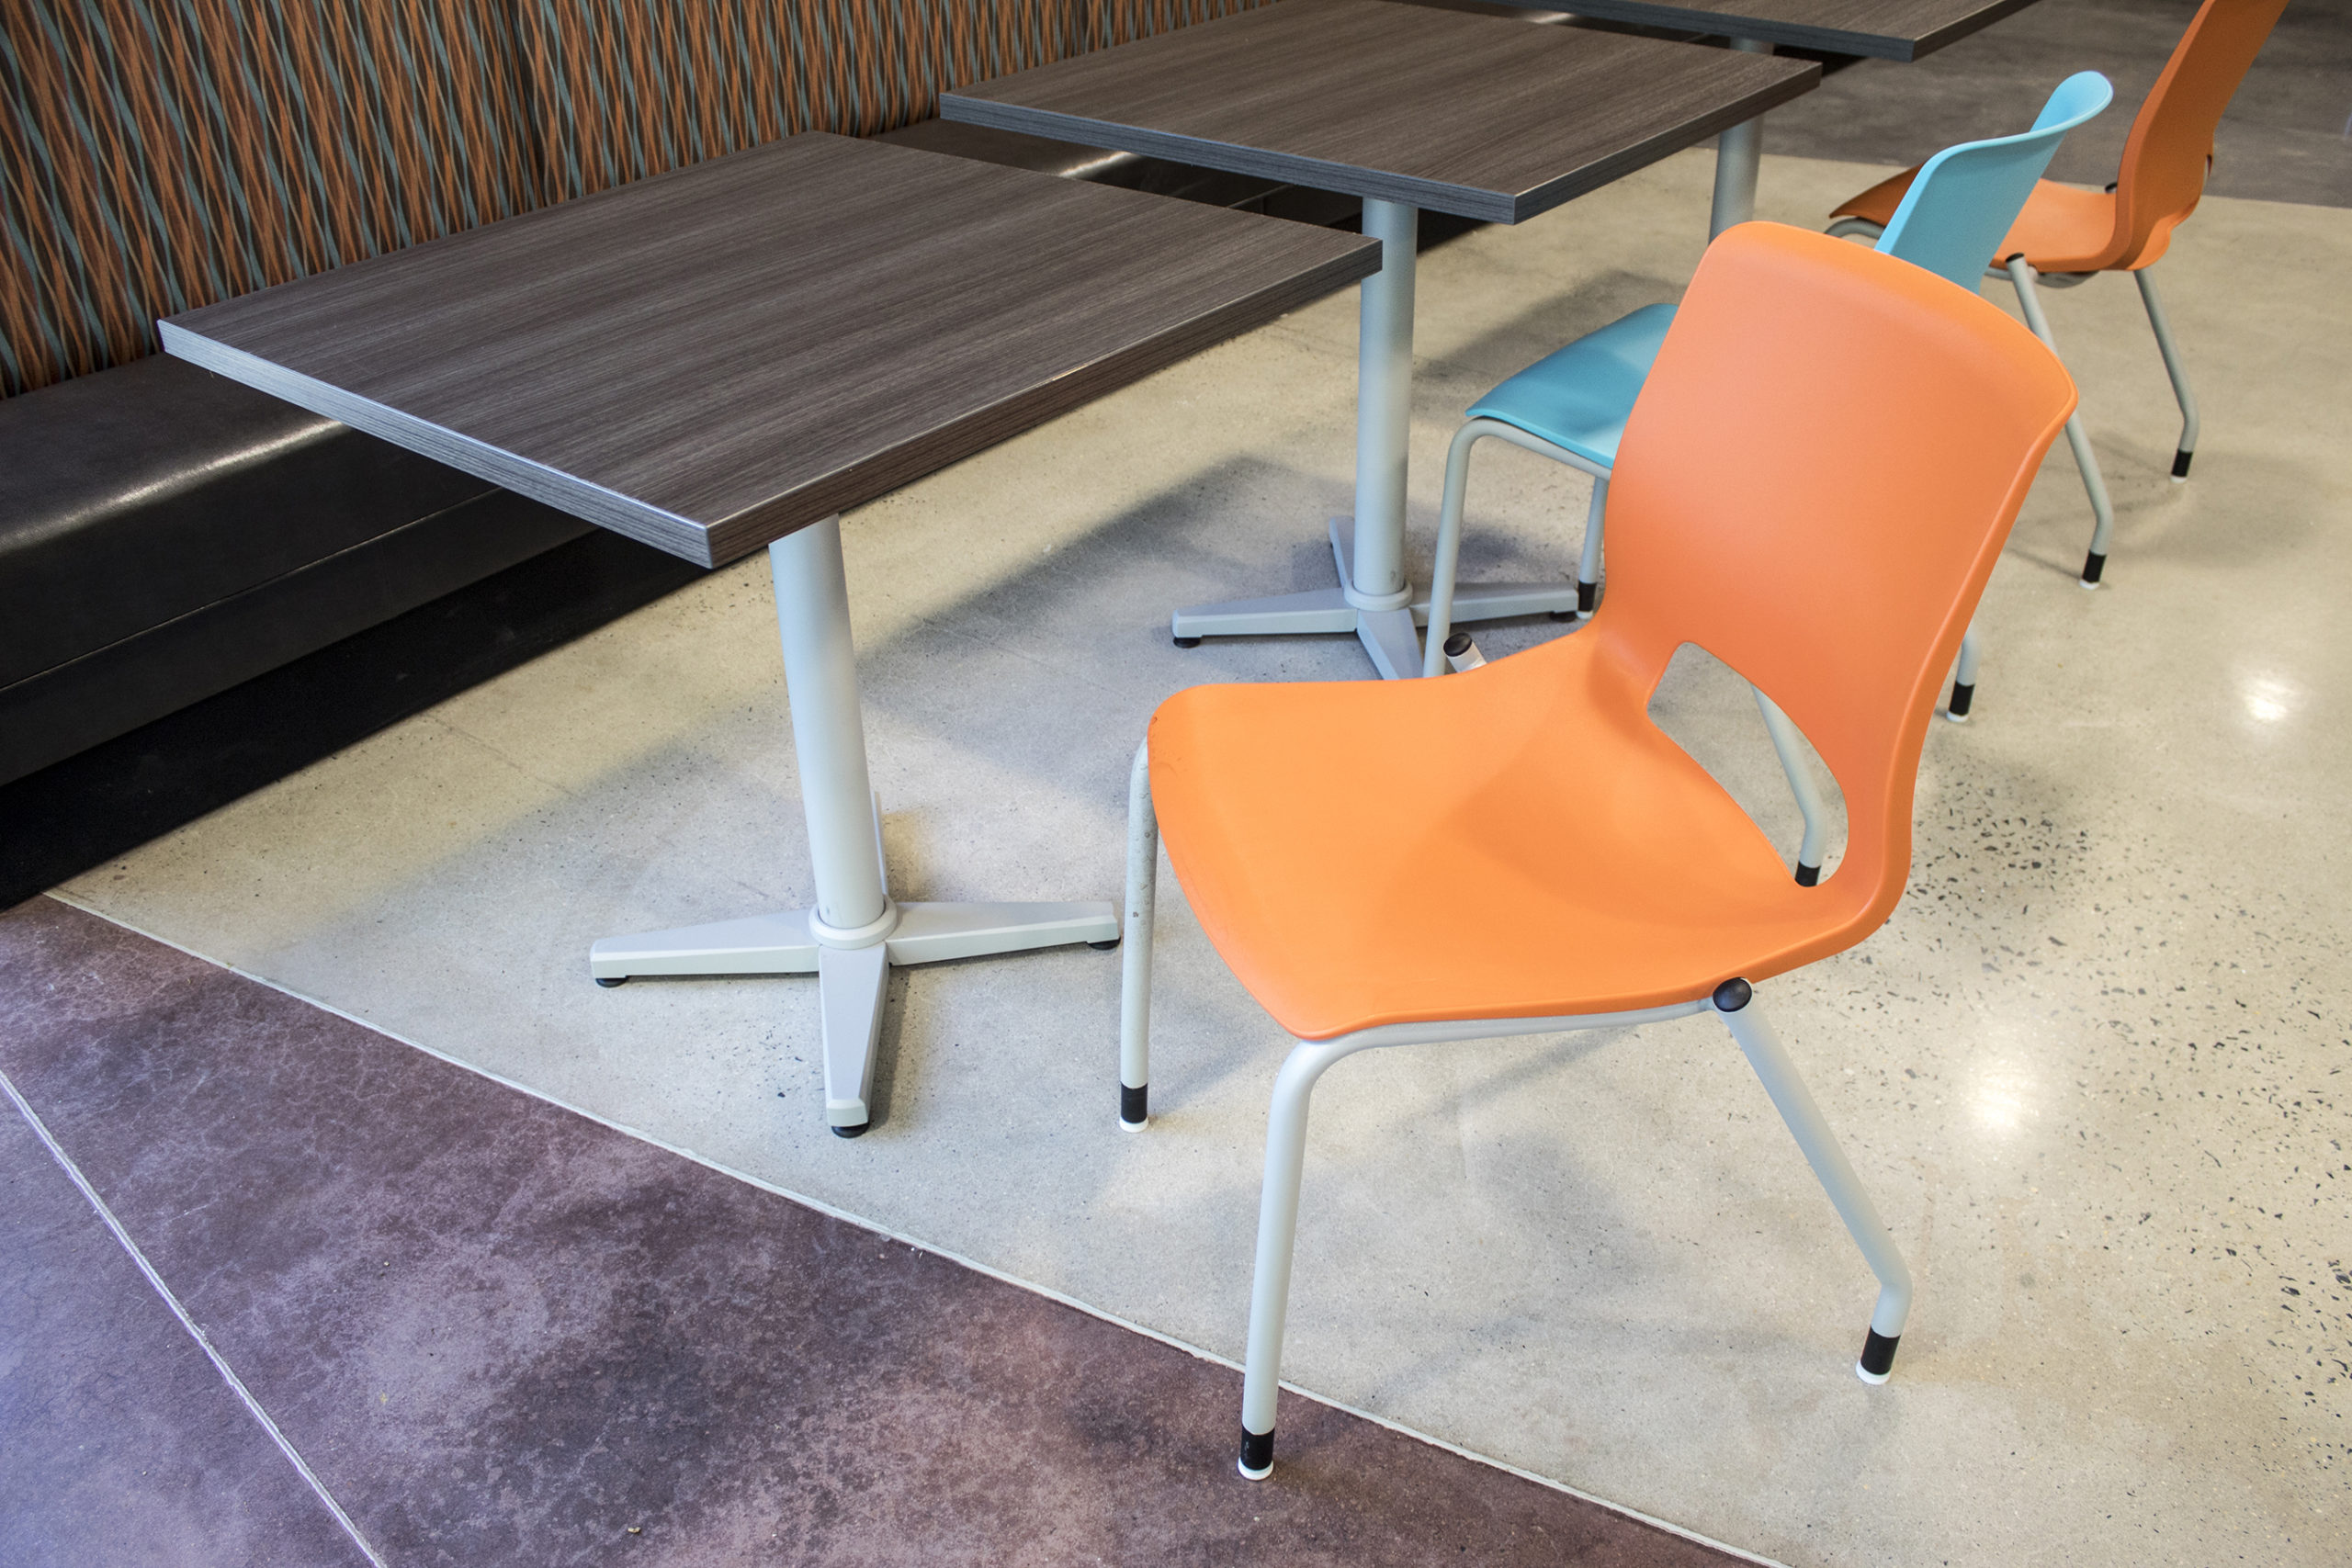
2067, 235
1539, 855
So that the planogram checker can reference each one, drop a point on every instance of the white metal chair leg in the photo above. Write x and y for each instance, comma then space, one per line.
1448, 561
1808, 795
1735, 1006
1449, 549
1134, 966
1963, 680
1277, 1229
2085, 461
1588, 561
2181, 458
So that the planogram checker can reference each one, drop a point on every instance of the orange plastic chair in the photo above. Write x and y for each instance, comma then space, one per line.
1817, 481
2067, 235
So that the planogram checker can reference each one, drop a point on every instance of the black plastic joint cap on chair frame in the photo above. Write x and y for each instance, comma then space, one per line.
1733, 995
1134, 1104
2180, 461
1257, 1454
1878, 1353
1962, 696
2093, 564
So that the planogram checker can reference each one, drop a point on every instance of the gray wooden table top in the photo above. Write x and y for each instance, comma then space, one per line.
1887, 29
1479, 115
709, 359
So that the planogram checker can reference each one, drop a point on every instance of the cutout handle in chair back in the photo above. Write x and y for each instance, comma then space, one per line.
1965, 197
1814, 487
2172, 138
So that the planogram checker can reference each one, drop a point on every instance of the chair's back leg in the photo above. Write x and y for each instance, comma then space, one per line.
1770, 1059
1808, 795
2085, 461
1963, 680
1277, 1230
1135, 963
2145, 278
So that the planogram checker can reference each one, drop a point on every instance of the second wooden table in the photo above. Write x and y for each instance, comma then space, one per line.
1407, 107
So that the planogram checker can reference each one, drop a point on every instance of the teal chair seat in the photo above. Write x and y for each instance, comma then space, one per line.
1577, 398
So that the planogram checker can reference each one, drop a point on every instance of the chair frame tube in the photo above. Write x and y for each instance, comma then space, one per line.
1448, 560
2022, 276
2162, 326
1135, 959
1286, 1119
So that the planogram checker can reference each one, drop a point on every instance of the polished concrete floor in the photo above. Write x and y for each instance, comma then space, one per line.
2089, 1067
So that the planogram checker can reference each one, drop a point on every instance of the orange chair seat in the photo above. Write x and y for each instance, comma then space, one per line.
2062, 228
1518, 841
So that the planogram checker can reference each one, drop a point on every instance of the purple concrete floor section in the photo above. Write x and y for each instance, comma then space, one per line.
503, 1333
120, 1444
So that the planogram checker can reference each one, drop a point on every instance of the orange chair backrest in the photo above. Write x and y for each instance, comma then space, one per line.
2172, 138
1813, 486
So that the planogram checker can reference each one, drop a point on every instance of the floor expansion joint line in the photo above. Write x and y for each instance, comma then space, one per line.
831, 1212
220, 1363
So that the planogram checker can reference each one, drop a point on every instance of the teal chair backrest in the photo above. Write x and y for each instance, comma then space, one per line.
1964, 198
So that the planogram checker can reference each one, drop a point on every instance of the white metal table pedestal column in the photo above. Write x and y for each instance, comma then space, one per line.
855, 933
1374, 600
1739, 153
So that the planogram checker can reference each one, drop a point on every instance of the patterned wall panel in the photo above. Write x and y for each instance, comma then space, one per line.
160, 155
631, 87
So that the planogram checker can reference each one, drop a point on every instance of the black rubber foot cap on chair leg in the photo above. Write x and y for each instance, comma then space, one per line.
2093, 564
1186, 642
1257, 1454
1808, 875
1587, 594
2180, 461
1878, 1357
609, 984
1963, 698
1135, 1106
856, 1131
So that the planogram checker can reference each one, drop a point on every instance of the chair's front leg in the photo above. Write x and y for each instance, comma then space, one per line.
1449, 549
1277, 1229
2086, 460
2145, 278
1588, 562
1135, 963
1770, 1059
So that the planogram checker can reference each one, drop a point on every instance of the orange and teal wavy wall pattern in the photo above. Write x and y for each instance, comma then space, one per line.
160, 155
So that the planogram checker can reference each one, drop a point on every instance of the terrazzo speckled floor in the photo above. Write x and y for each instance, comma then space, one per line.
2090, 1067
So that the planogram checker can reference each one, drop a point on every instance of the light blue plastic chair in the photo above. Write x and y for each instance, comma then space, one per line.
1571, 406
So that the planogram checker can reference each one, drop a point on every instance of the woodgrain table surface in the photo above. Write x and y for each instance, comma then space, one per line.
710, 359
1887, 29
1478, 116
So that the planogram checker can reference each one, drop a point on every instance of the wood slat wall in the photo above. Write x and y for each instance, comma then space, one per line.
156, 155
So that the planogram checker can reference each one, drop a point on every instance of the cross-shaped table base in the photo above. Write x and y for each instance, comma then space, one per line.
856, 932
